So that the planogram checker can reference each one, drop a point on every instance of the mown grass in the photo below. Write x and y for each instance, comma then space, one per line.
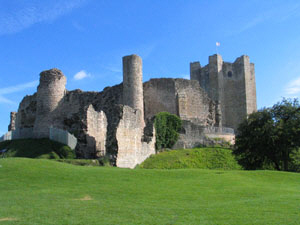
37, 148
203, 158
39, 191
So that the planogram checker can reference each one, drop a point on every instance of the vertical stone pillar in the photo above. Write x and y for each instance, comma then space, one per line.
216, 85
245, 88
50, 92
133, 83
195, 71
12, 124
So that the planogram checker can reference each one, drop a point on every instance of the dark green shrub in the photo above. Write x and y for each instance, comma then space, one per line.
167, 126
65, 152
104, 161
295, 161
37, 148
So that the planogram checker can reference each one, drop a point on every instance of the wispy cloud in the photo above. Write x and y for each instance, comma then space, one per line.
18, 19
17, 88
5, 100
114, 69
81, 75
293, 88
78, 26
13, 89
278, 14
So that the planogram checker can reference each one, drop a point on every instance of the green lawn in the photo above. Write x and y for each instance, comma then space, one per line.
40, 191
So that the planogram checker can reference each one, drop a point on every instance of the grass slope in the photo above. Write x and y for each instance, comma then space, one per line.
39, 191
203, 158
37, 148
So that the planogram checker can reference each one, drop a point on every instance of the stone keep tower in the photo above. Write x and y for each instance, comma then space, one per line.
50, 92
133, 83
230, 85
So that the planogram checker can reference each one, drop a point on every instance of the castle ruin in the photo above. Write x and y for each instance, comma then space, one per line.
118, 122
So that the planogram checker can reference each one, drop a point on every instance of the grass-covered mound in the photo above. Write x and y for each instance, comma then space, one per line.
48, 192
203, 158
37, 148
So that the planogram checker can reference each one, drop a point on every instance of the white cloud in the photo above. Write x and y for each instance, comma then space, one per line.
17, 19
81, 75
293, 87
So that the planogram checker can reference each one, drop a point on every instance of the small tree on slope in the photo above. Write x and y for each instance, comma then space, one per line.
167, 126
269, 137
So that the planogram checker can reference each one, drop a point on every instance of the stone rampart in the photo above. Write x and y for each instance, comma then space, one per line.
62, 136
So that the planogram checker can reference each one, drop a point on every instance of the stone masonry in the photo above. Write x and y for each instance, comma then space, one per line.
118, 122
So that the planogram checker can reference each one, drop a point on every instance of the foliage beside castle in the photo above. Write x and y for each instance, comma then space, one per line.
117, 122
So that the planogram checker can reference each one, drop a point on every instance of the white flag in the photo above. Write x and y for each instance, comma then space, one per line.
218, 44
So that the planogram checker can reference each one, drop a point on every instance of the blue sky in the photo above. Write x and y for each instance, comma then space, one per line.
86, 39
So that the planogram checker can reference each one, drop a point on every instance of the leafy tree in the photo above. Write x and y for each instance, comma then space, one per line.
270, 137
167, 126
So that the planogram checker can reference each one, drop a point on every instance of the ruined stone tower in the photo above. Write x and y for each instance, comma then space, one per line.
230, 85
50, 92
12, 124
133, 83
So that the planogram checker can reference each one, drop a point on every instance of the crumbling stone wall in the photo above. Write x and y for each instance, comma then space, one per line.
26, 114
159, 96
132, 150
96, 131
181, 97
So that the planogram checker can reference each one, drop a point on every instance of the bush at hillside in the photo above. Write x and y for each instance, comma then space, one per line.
202, 158
167, 126
37, 148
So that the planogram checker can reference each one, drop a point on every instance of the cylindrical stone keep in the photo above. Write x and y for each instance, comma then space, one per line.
133, 82
50, 92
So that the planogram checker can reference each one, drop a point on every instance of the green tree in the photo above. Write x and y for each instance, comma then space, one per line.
270, 137
167, 126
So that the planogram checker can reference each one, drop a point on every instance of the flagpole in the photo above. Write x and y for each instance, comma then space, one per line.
217, 45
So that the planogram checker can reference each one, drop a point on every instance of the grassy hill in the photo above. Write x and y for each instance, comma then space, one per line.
203, 158
39, 191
